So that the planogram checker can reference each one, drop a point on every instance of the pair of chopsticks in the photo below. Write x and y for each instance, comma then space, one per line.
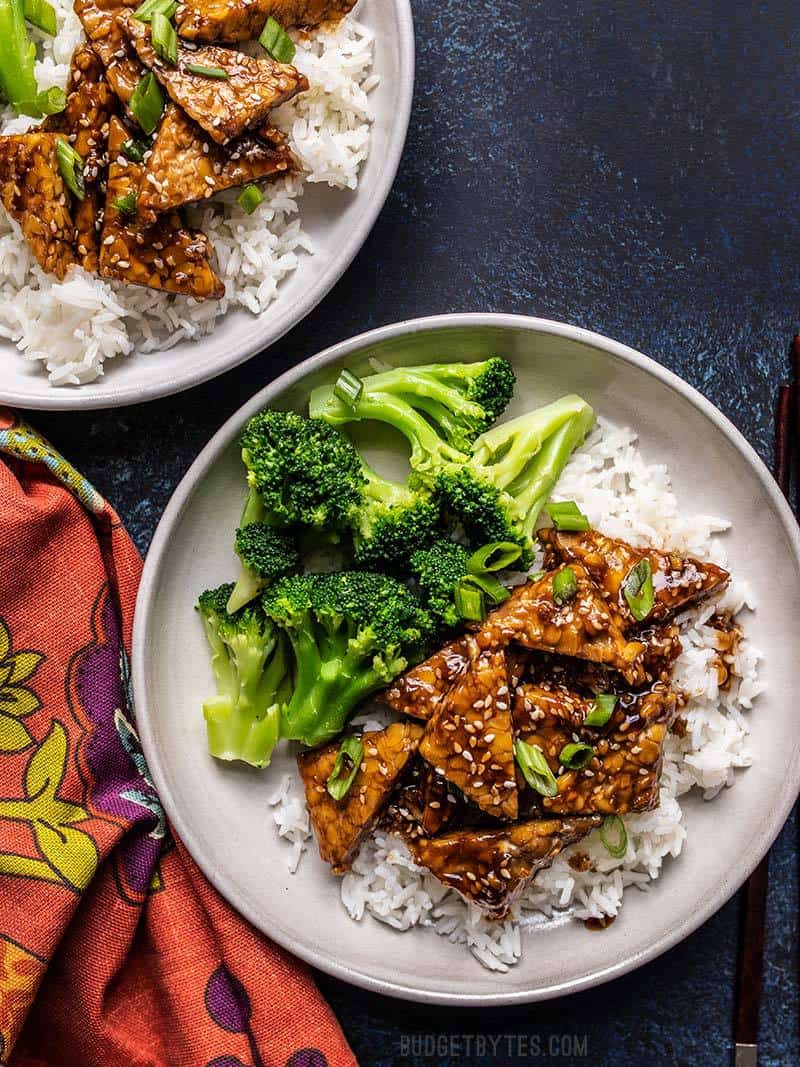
751, 938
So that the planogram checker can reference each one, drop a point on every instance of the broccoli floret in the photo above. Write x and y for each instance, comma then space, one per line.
266, 553
351, 633
440, 408
250, 664
498, 493
438, 569
301, 472
391, 522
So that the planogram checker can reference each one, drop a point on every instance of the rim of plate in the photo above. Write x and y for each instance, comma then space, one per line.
265, 329
148, 591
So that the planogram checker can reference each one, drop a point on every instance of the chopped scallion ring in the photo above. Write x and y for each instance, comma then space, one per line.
566, 515
348, 388
603, 709
147, 102
206, 72
346, 767
638, 589
498, 556
277, 41
51, 101
469, 601
164, 38
493, 590
535, 768
614, 836
70, 163
126, 205
249, 199
565, 586
575, 755
135, 150
145, 11
42, 15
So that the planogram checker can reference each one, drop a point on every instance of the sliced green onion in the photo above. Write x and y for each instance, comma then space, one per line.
147, 102
249, 199
277, 41
535, 768
345, 768
70, 163
469, 601
164, 38
206, 72
493, 590
536, 576
135, 150
348, 388
575, 755
565, 586
497, 556
125, 204
566, 515
145, 11
614, 836
41, 14
602, 710
51, 101
638, 589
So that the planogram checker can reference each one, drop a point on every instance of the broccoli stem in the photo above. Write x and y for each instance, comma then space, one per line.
548, 465
508, 450
17, 56
248, 584
233, 735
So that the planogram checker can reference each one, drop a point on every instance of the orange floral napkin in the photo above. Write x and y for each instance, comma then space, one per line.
114, 950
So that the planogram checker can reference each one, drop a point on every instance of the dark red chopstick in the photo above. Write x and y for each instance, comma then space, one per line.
751, 935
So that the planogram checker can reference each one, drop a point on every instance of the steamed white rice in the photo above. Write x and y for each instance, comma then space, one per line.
625, 497
72, 327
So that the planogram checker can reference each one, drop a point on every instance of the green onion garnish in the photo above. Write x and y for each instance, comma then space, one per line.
164, 38
536, 576
602, 710
249, 199
348, 388
565, 586
614, 836
277, 41
535, 768
497, 556
469, 601
566, 515
145, 11
494, 591
126, 205
575, 755
638, 589
345, 769
206, 72
135, 150
147, 102
70, 163
41, 14
51, 101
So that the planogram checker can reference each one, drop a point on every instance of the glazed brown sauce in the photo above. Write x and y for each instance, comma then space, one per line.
599, 924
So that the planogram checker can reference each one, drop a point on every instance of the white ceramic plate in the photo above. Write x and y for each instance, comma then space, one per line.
221, 812
337, 221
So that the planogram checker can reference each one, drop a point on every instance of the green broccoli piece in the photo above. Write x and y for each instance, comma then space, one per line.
391, 521
498, 493
266, 553
440, 408
250, 661
351, 633
437, 570
301, 472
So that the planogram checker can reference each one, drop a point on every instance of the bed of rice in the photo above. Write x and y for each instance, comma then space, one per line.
72, 327
625, 497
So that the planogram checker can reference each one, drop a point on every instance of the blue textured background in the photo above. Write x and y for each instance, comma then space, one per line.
629, 167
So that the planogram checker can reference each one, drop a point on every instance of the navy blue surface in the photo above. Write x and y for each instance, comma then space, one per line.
632, 167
